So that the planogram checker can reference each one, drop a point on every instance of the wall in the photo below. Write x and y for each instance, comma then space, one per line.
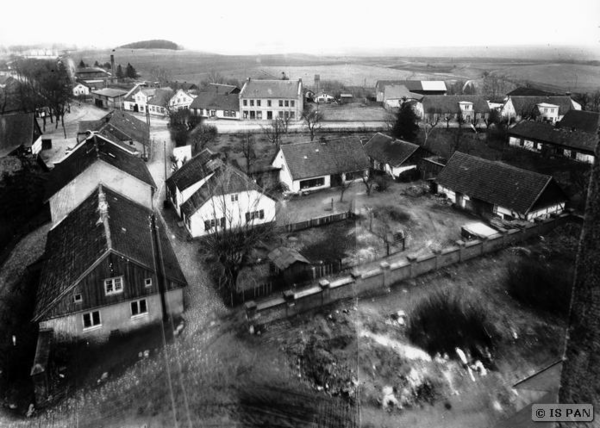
70, 196
326, 291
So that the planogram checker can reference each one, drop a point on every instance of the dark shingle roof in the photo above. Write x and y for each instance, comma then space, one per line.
118, 125
93, 149
223, 88
496, 183
546, 133
523, 91
307, 160
579, 120
441, 104
389, 150
17, 130
283, 257
400, 91
161, 97
193, 171
270, 89
226, 180
527, 103
217, 101
105, 221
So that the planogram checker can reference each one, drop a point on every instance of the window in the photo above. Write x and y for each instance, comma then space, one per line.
251, 103
245, 114
258, 103
293, 103
268, 103
281, 114
259, 114
77, 298
139, 307
245, 103
148, 282
255, 214
287, 103
213, 113
113, 285
292, 115
280, 103
91, 320
315, 182
269, 115
234, 198
209, 224
252, 114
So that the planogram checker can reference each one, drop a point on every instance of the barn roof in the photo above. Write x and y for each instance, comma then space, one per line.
118, 125
526, 103
399, 92
546, 133
110, 92
194, 170
161, 97
271, 89
307, 160
104, 222
441, 104
498, 183
216, 100
579, 120
95, 148
383, 148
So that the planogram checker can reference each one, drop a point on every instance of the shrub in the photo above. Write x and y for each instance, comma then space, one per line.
382, 182
541, 285
448, 319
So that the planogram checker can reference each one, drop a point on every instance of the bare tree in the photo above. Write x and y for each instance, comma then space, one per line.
429, 125
201, 136
274, 131
248, 151
312, 118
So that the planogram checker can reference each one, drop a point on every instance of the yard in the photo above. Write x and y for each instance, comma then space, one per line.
352, 112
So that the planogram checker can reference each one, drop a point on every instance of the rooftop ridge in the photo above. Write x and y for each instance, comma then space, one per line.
103, 214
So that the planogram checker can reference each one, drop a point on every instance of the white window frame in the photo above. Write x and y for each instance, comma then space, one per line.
148, 282
234, 197
92, 325
76, 300
113, 281
137, 305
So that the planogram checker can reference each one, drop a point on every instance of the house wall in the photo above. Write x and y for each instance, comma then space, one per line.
275, 109
81, 90
36, 147
233, 211
284, 172
114, 317
396, 171
216, 113
75, 192
180, 100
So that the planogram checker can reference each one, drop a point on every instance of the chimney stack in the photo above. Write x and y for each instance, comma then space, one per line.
112, 68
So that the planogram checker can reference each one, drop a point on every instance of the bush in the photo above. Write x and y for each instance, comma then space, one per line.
541, 285
448, 319
382, 182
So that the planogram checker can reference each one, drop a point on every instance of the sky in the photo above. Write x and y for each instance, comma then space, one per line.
308, 26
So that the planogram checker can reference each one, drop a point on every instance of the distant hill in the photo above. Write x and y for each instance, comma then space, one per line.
151, 44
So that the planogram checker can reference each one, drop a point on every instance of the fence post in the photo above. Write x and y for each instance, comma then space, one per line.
325, 285
461, 252
385, 272
412, 260
250, 307
437, 252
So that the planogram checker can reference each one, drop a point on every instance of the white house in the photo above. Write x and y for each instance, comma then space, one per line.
393, 156
215, 105
323, 97
81, 89
181, 100
211, 196
543, 108
271, 99
313, 166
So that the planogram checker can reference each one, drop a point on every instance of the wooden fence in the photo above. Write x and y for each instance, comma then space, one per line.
314, 222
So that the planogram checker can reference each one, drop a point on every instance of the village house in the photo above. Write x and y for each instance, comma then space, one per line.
395, 95
543, 108
19, 133
181, 100
313, 166
122, 128
472, 108
109, 267
422, 87
137, 100
211, 196
490, 189
109, 98
323, 97
97, 160
158, 105
191, 88
215, 105
346, 98
81, 89
549, 140
579, 120
271, 99
391, 156
222, 88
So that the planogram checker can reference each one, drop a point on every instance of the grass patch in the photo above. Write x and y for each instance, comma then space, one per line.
451, 318
393, 213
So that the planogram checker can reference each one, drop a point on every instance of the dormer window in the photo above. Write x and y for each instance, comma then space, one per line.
113, 285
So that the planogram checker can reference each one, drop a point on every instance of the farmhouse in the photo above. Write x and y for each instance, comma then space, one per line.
271, 99
81, 89
109, 98
120, 127
393, 156
491, 188
181, 100
109, 268
312, 166
579, 120
422, 87
96, 160
323, 97
19, 133
137, 99
472, 108
553, 141
216, 105
395, 95
543, 108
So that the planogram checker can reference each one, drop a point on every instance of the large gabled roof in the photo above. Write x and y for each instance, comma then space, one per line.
308, 160
271, 89
194, 170
400, 92
414, 85
383, 148
498, 183
110, 92
94, 149
546, 133
104, 222
579, 120
525, 104
226, 180
161, 97
216, 100
442, 104
118, 125
17, 130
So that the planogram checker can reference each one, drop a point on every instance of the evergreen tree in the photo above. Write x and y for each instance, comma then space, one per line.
407, 123
81, 64
96, 64
120, 74
130, 71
